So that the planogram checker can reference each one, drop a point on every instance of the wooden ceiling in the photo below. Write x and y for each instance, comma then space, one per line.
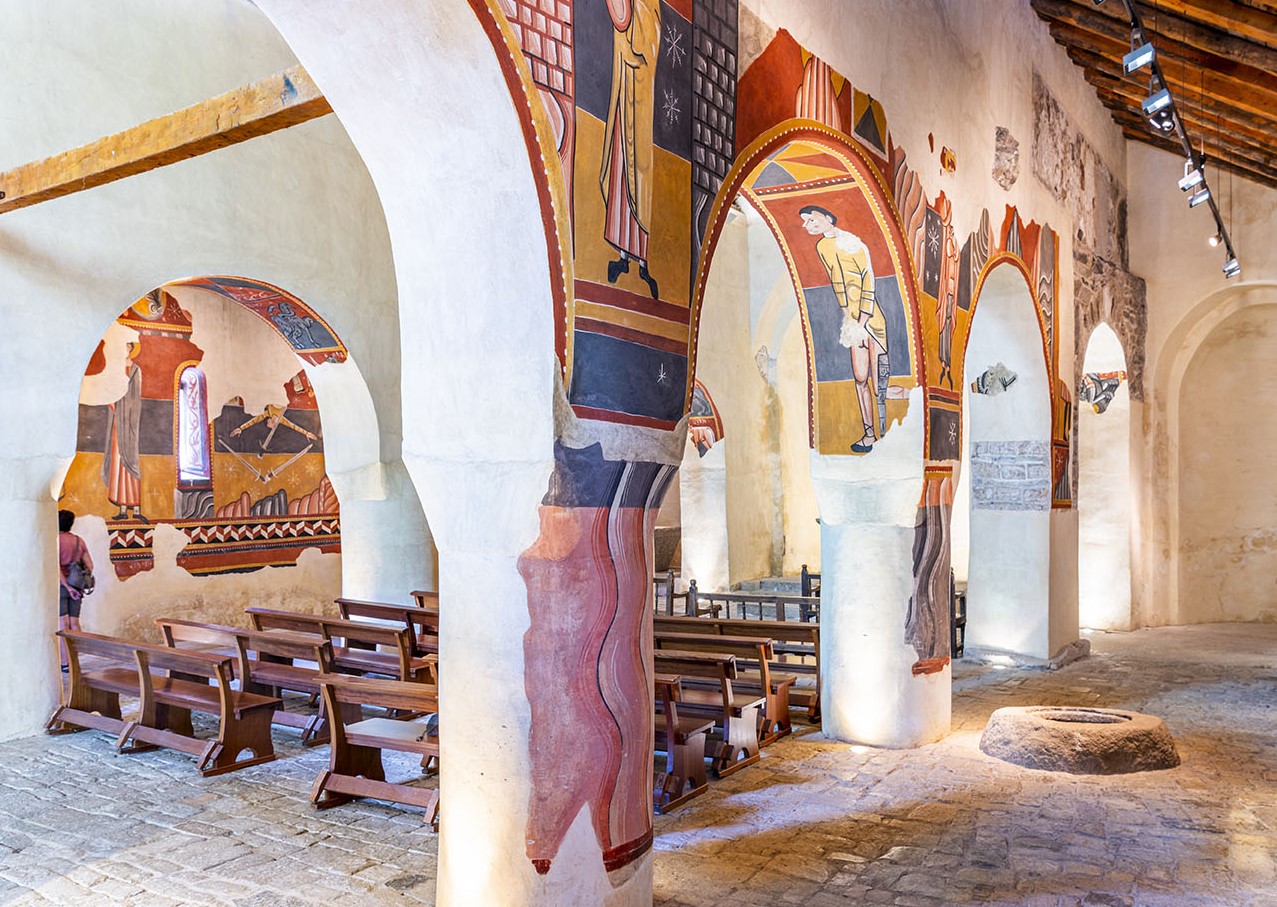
1219, 58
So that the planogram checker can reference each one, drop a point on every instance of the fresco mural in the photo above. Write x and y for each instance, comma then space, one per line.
1099, 388
248, 490
704, 424
646, 126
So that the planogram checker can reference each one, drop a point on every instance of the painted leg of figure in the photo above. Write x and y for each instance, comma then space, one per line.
648, 279
861, 368
882, 374
621, 266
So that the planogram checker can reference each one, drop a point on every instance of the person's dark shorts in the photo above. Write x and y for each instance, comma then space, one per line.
68, 606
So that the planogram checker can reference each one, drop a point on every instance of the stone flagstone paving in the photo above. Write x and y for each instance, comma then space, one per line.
815, 823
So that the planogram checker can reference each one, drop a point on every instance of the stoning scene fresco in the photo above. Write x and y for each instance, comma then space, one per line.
248, 489
646, 124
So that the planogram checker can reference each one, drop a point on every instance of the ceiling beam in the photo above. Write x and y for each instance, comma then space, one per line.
1134, 127
276, 102
1214, 122
1220, 152
1173, 35
1257, 25
1252, 91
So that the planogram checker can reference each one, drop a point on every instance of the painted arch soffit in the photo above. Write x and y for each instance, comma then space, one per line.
301, 327
830, 210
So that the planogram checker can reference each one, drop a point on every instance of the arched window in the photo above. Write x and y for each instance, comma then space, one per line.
193, 461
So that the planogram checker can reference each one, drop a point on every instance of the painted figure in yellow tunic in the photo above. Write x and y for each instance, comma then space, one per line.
864, 330
626, 174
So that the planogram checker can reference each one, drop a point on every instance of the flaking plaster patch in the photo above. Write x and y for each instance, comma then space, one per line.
1006, 158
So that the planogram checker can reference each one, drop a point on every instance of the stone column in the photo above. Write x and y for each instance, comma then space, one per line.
545, 694
877, 688
387, 550
703, 495
29, 679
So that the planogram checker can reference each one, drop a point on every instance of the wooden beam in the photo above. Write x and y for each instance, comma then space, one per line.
1218, 149
1167, 31
1257, 25
1251, 90
276, 102
1214, 121
1134, 128
1239, 63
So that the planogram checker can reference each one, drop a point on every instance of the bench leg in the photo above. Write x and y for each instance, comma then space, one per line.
251, 731
684, 766
739, 746
84, 699
160, 718
349, 761
776, 722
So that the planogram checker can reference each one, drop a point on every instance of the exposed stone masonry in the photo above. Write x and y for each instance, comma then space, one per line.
1010, 475
1104, 289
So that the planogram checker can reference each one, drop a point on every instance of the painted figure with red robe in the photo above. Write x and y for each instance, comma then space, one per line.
122, 464
626, 174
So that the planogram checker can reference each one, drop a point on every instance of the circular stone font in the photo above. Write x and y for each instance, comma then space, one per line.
1082, 741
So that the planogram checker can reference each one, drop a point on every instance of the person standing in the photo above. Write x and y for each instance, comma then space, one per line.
71, 550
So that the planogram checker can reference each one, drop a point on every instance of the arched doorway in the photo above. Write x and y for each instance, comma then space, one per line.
1226, 490
1005, 484
828, 212
1104, 485
201, 455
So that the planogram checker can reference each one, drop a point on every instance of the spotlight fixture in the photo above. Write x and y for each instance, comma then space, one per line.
1156, 101
1159, 109
1162, 122
1138, 58
1192, 177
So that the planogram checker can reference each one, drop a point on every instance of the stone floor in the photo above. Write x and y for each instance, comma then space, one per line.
815, 823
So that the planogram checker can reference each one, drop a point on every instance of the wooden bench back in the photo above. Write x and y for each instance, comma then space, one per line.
389, 694
147, 657
780, 631
746, 647
283, 644
695, 664
423, 620
424, 599
80, 643
328, 627
193, 632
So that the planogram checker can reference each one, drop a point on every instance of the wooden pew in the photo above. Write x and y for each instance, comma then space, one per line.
754, 674
424, 622
809, 583
166, 699
355, 768
354, 643
268, 663
195, 636
735, 714
427, 600
758, 605
791, 639
682, 738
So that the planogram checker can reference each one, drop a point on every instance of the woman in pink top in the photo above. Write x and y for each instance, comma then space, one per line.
71, 548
